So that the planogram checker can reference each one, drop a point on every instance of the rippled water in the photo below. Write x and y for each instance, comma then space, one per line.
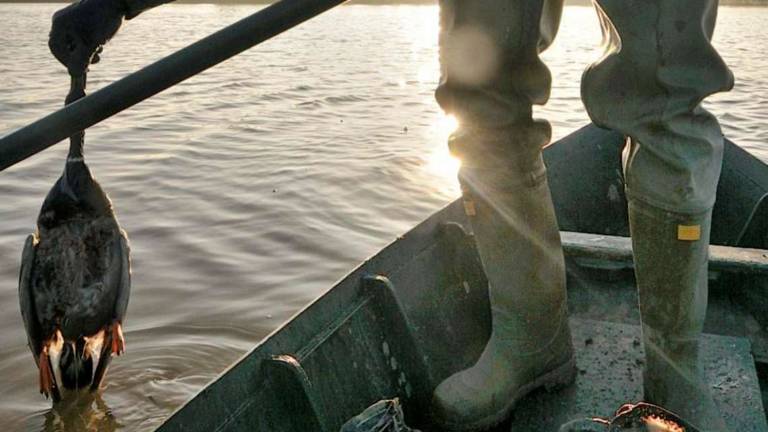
247, 191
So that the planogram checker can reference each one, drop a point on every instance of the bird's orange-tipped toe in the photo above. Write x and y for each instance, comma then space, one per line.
118, 341
46, 378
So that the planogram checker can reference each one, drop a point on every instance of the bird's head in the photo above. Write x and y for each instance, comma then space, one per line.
74, 364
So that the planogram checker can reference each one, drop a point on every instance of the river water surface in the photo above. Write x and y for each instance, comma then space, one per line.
248, 190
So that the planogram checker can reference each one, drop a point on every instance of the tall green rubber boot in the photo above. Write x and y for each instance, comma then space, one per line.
671, 255
530, 345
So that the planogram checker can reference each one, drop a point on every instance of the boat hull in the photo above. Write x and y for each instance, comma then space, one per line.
418, 311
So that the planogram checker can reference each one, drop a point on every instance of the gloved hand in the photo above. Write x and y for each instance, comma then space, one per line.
80, 30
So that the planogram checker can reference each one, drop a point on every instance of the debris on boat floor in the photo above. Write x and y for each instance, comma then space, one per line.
610, 375
383, 416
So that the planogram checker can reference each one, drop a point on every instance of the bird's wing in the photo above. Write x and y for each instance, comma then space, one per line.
26, 297
121, 270
124, 281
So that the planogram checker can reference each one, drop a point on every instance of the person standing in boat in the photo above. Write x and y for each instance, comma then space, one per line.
658, 67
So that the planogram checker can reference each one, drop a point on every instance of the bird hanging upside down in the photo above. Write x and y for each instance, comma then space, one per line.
75, 278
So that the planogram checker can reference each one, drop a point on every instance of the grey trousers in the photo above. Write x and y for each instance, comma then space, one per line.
658, 66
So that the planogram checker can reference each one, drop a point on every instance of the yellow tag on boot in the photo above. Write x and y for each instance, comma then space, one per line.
689, 232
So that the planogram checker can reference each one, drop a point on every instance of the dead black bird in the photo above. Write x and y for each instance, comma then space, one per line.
75, 278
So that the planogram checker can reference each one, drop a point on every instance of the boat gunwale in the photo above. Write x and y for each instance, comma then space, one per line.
415, 236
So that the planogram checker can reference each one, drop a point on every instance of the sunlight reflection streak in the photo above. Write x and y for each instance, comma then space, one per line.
440, 163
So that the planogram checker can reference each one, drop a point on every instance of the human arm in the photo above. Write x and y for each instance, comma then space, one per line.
80, 30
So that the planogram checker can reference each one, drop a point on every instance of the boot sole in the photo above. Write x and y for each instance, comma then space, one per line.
559, 377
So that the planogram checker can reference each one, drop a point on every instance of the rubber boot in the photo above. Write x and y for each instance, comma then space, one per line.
671, 254
530, 345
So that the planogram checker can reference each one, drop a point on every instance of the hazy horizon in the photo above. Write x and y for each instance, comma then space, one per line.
567, 2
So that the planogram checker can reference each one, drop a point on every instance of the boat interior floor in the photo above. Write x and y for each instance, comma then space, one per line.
609, 360
605, 323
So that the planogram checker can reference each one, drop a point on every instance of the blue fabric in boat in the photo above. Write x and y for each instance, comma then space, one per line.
383, 416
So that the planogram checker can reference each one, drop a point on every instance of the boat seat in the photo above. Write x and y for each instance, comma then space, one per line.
618, 250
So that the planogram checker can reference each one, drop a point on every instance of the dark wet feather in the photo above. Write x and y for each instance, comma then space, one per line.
26, 298
78, 272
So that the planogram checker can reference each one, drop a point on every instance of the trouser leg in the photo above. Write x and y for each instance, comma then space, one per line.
491, 77
491, 73
659, 67
649, 85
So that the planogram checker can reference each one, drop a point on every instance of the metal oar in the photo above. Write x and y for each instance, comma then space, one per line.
158, 76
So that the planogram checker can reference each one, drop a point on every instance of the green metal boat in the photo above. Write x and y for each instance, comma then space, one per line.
418, 311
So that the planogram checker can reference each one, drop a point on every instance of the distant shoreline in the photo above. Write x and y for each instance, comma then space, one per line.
386, 2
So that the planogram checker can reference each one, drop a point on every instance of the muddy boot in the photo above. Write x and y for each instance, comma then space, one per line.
530, 344
671, 253
491, 76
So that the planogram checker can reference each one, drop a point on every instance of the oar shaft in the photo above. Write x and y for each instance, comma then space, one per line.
157, 77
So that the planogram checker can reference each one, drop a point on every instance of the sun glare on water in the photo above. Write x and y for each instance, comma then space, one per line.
440, 162
448, 123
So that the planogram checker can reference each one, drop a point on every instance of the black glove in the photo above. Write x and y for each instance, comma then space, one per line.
80, 30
